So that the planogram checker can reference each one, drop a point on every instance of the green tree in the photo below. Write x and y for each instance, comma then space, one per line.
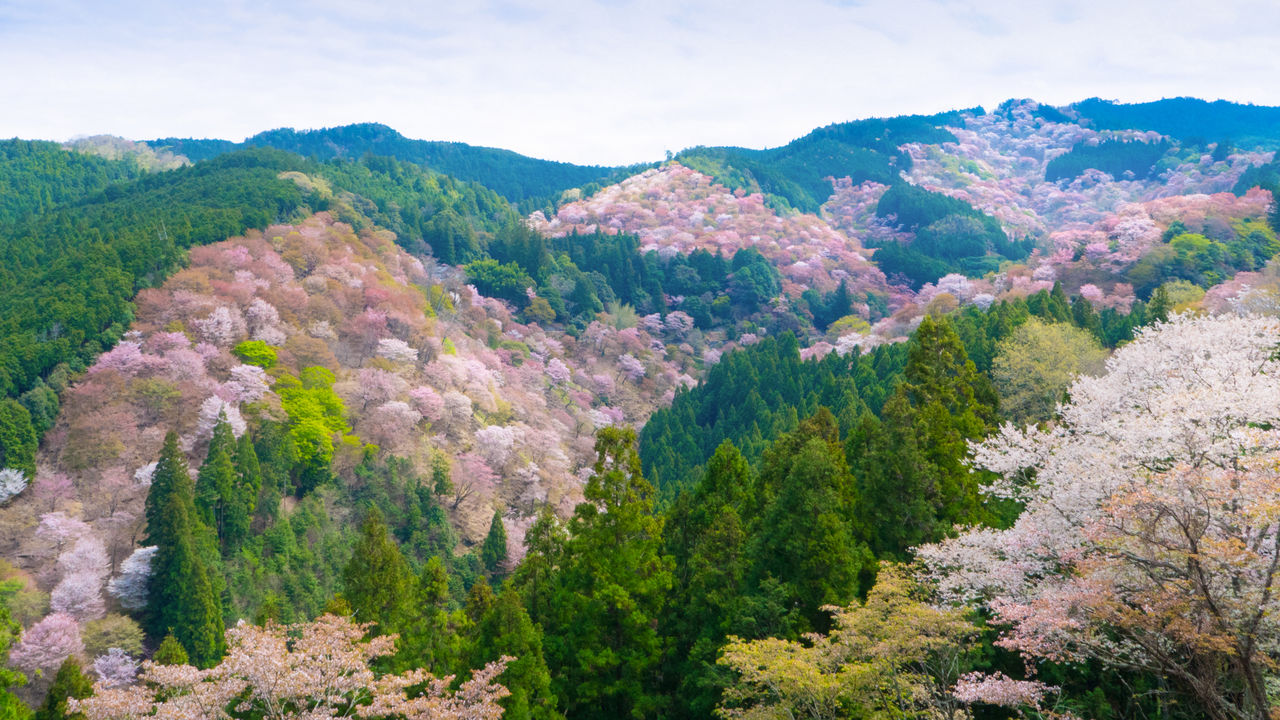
505, 629
953, 404
181, 598
216, 480
1036, 364
895, 504
494, 551
70, 682
614, 582
431, 637
11, 707
170, 652
17, 437
805, 535
376, 581
705, 536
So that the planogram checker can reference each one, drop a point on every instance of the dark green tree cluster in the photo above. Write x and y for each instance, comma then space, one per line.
69, 274
183, 598
514, 176
1186, 117
797, 175
950, 237
36, 176
1121, 159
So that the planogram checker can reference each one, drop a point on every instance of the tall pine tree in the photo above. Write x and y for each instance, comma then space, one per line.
181, 597
611, 594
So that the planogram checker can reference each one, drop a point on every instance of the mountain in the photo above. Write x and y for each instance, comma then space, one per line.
620, 423
1191, 120
516, 177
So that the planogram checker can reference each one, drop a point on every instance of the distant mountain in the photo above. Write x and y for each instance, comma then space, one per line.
1188, 119
795, 174
514, 176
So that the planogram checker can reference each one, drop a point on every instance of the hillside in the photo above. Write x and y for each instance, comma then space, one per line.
666, 437
516, 177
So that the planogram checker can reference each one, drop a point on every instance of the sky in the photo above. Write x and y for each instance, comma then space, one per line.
604, 81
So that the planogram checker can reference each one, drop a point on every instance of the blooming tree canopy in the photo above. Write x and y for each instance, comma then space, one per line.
1151, 534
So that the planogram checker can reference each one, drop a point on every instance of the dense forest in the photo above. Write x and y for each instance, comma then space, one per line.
967, 416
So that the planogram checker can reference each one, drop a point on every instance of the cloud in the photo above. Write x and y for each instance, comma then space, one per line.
611, 81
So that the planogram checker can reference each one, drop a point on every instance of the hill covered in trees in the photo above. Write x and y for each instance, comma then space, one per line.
516, 177
758, 433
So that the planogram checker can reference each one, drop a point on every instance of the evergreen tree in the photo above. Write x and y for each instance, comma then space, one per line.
494, 551
181, 597
895, 500
805, 535
430, 638
17, 438
11, 707
706, 539
952, 404
216, 481
170, 652
70, 682
505, 629
537, 576
377, 581
615, 579
238, 510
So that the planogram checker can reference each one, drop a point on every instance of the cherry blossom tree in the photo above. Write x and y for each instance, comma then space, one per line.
130, 586
12, 482
1151, 534
84, 569
46, 644
310, 670
397, 350
115, 669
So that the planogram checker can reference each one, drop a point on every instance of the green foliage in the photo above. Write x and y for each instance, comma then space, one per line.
1121, 159
70, 682
170, 652
37, 176
11, 707
805, 535
950, 236
316, 414
181, 597
609, 593
377, 583
1037, 363
755, 395
514, 176
1186, 117
69, 273
18, 441
493, 553
256, 352
796, 175
506, 281
505, 629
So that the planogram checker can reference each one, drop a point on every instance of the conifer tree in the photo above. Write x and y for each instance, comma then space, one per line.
216, 481
537, 576
704, 535
70, 682
18, 440
494, 551
952, 404
430, 638
805, 535
505, 629
170, 652
181, 597
377, 582
614, 583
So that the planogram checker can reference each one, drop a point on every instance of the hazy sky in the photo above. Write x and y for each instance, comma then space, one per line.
611, 81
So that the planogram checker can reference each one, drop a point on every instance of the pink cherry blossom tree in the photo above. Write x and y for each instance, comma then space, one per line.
1151, 534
